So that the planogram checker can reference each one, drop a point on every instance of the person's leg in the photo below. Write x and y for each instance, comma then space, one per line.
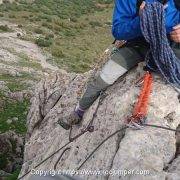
120, 61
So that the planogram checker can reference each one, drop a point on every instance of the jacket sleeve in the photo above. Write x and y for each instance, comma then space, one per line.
126, 24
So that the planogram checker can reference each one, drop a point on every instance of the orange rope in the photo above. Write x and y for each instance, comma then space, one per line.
141, 107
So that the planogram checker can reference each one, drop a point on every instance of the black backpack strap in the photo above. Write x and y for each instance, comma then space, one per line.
177, 4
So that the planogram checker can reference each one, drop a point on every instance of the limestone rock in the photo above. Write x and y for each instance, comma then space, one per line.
145, 152
174, 169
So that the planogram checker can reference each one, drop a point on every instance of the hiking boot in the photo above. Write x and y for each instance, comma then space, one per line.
72, 119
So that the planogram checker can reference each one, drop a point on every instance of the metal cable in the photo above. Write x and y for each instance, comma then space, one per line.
122, 129
150, 125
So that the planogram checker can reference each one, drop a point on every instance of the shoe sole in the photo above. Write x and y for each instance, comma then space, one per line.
64, 125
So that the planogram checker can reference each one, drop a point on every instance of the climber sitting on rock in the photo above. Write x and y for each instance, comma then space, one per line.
130, 49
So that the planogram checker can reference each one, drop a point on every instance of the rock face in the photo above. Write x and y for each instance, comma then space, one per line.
11, 154
144, 154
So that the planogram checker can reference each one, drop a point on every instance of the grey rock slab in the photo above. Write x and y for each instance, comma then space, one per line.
149, 149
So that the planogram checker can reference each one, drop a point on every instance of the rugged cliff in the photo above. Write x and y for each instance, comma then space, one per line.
22, 65
150, 151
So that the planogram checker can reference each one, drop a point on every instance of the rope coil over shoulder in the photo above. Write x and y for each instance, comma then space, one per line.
154, 31
160, 54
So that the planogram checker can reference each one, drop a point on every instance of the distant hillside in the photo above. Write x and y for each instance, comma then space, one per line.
74, 32
71, 34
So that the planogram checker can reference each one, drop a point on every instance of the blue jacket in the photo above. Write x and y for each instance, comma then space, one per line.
126, 22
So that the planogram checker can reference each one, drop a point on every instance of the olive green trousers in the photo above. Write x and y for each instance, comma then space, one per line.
120, 61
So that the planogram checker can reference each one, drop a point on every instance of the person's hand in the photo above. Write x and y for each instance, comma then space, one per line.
119, 43
142, 6
175, 34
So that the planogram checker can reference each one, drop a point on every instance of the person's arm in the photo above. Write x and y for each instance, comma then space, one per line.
126, 24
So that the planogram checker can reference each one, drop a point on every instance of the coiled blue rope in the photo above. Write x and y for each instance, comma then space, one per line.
154, 31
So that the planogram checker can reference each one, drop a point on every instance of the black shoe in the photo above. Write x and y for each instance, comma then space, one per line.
67, 121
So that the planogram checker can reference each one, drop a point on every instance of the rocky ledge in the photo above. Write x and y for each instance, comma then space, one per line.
150, 153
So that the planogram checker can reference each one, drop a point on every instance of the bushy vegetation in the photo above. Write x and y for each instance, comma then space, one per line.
75, 32
25, 61
16, 83
44, 42
57, 52
11, 109
14, 176
4, 28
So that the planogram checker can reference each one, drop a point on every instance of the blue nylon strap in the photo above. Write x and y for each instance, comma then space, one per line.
160, 54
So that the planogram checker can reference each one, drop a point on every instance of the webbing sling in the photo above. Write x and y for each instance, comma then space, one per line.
141, 107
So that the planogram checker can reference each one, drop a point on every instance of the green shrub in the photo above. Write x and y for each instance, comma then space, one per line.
12, 16
14, 175
57, 52
4, 28
3, 160
46, 17
49, 36
105, 1
69, 33
20, 25
25, 16
13, 109
31, 19
37, 19
108, 23
38, 31
45, 24
57, 28
43, 42
95, 24
73, 19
